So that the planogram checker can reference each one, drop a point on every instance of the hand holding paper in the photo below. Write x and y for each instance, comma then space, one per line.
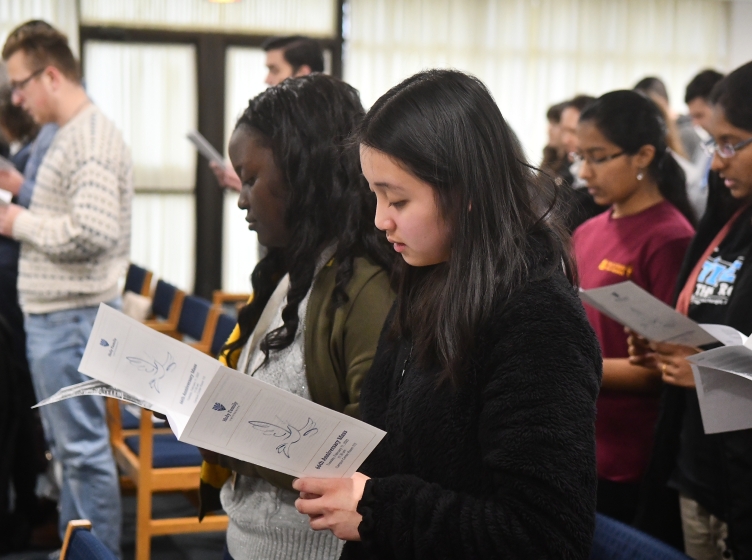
205, 148
646, 315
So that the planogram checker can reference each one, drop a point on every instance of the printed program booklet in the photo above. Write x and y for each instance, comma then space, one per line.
215, 407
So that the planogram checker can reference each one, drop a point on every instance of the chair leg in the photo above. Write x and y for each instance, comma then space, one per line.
143, 508
143, 524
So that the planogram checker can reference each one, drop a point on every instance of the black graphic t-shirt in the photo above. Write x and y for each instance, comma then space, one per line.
715, 283
698, 472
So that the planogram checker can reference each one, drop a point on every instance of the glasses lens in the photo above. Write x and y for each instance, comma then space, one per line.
726, 150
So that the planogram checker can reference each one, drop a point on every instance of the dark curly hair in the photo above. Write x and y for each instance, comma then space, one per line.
307, 122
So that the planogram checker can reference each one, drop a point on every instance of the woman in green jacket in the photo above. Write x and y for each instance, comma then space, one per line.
321, 293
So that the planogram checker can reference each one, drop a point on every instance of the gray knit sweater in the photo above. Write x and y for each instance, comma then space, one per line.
75, 237
264, 524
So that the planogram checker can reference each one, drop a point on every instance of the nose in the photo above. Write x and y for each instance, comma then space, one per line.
718, 163
15, 97
585, 170
243, 199
382, 220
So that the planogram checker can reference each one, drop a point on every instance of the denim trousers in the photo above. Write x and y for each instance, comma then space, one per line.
55, 343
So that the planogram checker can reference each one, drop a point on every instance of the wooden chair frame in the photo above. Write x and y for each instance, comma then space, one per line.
148, 480
170, 326
73, 525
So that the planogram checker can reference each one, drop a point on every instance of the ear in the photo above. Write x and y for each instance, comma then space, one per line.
54, 77
644, 157
303, 70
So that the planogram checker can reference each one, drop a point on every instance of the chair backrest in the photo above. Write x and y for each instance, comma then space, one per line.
614, 540
193, 316
225, 325
81, 544
164, 294
138, 280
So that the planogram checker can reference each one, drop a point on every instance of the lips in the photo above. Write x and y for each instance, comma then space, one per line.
399, 247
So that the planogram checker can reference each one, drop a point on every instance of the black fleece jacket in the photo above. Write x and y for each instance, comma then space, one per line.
502, 466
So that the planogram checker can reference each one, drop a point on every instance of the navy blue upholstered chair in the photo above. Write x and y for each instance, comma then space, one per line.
614, 540
194, 318
138, 280
166, 306
225, 326
80, 544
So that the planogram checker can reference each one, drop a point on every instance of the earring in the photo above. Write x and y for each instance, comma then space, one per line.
640, 176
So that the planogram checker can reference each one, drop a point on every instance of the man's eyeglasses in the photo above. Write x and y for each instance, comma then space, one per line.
578, 158
725, 150
18, 86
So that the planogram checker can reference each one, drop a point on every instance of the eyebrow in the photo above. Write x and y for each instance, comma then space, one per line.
388, 186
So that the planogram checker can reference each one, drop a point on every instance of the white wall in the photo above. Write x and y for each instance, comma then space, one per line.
740, 36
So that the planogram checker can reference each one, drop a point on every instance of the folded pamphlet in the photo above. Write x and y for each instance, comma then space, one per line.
643, 313
215, 407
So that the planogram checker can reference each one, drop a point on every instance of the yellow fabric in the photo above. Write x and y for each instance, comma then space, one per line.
216, 475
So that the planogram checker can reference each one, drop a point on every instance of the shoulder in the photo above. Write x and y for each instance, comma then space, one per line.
667, 229
551, 299
369, 280
595, 223
544, 323
672, 223
96, 137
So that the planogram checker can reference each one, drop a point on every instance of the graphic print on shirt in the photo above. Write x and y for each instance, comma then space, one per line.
624, 270
716, 280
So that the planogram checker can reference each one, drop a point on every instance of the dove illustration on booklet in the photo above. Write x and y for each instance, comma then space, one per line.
214, 407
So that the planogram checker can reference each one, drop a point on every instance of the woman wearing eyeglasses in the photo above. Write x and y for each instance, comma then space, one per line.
642, 238
712, 474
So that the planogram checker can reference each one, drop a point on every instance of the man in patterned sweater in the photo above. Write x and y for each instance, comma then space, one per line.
75, 242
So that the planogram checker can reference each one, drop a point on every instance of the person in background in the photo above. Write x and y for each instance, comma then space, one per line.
18, 128
75, 245
700, 111
642, 238
554, 154
697, 96
489, 450
292, 56
682, 138
20, 428
580, 205
706, 480
321, 292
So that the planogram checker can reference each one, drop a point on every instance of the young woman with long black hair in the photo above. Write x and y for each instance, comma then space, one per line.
321, 293
642, 238
707, 479
487, 370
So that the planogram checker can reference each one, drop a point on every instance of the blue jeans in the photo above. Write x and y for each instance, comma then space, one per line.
80, 440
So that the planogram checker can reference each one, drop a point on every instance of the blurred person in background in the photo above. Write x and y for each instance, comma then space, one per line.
580, 205
22, 443
291, 56
554, 154
682, 138
700, 111
75, 245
